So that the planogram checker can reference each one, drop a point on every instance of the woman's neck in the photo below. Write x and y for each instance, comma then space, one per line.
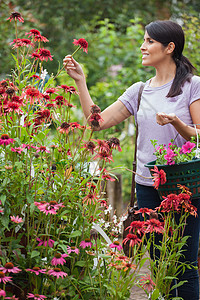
164, 74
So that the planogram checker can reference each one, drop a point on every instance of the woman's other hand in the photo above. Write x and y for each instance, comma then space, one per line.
73, 68
163, 118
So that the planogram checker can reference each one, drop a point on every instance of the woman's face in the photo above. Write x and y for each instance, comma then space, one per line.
153, 52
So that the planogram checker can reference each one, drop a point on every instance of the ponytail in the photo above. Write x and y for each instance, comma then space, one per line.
184, 72
166, 32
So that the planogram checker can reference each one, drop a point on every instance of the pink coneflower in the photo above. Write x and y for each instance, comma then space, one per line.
45, 54
49, 207
36, 270
59, 259
116, 244
6, 140
12, 298
9, 268
17, 149
4, 278
90, 198
36, 296
16, 219
133, 239
82, 43
154, 225
85, 243
57, 273
147, 283
72, 249
159, 177
45, 241
2, 293
16, 16
42, 149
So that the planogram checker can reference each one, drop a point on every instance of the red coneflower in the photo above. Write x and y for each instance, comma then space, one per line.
147, 283
45, 54
114, 143
64, 128
41, 38
90, 146
50, 91
16, 16
154, 225
32, 94
32, 32
21, 43
107, 176
82, 43
159, 177
133, 238
136, 227
104, 154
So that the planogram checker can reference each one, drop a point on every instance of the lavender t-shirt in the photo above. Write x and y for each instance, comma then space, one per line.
154, 100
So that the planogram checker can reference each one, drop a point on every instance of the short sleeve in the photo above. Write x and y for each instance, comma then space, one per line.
195, 89
130, 97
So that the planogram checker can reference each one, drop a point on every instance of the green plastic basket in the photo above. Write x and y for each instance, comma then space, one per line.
186, 173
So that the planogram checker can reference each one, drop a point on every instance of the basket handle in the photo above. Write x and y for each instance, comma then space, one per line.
197, 150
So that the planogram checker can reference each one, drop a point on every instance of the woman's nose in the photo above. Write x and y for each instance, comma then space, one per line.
143, 46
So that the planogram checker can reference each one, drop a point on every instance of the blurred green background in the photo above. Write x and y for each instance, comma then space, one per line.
114, 30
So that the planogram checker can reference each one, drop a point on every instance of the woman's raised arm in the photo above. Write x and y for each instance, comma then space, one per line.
112, 115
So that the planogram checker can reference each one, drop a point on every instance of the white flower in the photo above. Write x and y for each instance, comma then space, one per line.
108, 210
106, 225
43, 74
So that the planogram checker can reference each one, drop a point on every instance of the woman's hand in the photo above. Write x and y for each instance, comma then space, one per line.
73, 68
163, 118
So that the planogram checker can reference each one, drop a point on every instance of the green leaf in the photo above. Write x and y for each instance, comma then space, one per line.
3, 199
75, 233
35, 253
155, 294
80, 263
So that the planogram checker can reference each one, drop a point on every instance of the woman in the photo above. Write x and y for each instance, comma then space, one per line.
170, 104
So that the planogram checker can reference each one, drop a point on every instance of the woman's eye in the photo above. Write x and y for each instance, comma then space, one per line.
150, 41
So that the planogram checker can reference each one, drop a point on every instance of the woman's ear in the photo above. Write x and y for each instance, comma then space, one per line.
170, 47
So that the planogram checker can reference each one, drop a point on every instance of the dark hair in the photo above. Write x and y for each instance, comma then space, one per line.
166, 32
